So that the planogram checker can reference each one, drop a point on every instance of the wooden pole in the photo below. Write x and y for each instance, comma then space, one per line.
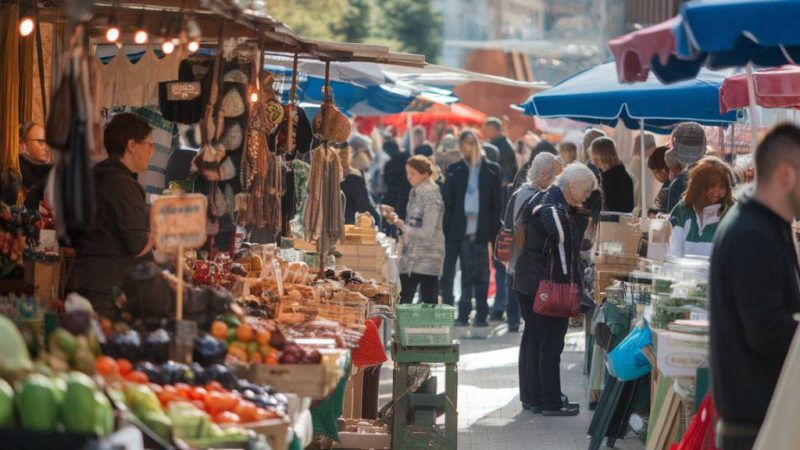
179, 289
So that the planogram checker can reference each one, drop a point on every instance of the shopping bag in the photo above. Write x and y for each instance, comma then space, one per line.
626, 361
700, 434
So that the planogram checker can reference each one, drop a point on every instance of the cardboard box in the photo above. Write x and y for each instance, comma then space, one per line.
679, 355
364, 440
618, 233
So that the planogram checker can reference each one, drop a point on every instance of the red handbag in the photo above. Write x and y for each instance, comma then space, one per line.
562, 300
502, 246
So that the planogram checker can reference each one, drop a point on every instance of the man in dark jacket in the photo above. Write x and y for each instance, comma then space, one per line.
493, 132
467, 238
120, 235
754, 290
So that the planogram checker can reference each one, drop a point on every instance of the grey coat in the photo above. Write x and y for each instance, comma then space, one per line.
423, 238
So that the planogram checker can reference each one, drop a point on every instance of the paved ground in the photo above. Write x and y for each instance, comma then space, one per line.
490, 414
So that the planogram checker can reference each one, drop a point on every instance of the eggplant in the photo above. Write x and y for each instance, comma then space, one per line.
76, 322
199, 374
153, 373
208, 350
127, 345
157, 346
222, 375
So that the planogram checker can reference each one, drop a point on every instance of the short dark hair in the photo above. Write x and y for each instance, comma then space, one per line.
122, 128
781, 144
656, 159
568, 146
495, 122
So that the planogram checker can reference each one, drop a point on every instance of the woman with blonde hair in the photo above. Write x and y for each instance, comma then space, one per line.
354, 188
423, 240
708, 196
472, 200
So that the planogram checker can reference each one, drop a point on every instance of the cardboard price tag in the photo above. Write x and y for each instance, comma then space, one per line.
179, 221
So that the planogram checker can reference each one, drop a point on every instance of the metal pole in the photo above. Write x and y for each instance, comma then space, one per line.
751, 92
642, 182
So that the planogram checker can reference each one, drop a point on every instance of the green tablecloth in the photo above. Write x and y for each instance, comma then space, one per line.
326, 414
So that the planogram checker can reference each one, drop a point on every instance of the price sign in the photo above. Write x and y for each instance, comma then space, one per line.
179, 221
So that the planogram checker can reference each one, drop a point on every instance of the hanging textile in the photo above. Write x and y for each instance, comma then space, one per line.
72, 129
27, 45
127, 83
9, 88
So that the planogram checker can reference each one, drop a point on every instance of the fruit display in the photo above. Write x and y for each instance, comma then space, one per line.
71, 351
18, 227
256, 341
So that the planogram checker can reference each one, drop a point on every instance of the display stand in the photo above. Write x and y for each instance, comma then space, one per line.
415, 413
613, 411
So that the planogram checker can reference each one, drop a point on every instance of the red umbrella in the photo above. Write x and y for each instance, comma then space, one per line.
774, 88
433, 113
635, 52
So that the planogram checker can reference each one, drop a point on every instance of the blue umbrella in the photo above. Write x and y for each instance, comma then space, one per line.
596, 96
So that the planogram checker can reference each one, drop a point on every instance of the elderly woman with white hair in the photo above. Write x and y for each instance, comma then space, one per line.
551, 251
543, 170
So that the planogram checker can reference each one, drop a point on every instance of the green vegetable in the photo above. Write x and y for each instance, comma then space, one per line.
104, 415
64, 341
79, 409
158, 422
6, 404
188, 422
16, 360
38, 403
141, 399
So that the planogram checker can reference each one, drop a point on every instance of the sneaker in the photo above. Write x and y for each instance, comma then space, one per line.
496, 317
480, 324
569, 409
532, 408
513, 328
460, 323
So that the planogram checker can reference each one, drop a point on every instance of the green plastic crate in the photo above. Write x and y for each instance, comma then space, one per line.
424, 325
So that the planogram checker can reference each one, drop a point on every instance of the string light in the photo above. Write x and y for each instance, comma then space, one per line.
193, 46
112, 34
140, 37
167, 47
192, 32
26, 14
254, 97
25, 26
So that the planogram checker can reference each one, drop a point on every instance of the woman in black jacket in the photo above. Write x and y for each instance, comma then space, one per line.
471, 195
552, 246
354, 188
618, 189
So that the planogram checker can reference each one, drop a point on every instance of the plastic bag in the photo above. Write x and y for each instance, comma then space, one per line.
626, 361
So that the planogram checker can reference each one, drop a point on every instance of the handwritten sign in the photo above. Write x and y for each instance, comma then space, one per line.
183, 90
179, 221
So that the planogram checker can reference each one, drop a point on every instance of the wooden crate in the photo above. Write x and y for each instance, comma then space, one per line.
308, 380
46, 280
275, 430
604, 279
354, 395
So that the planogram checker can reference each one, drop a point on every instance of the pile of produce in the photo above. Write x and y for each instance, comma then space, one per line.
259, 342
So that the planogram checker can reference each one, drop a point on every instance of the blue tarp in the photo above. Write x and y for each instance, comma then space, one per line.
596, 96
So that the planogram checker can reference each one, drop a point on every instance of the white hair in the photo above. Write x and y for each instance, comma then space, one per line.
543, 170
577, 179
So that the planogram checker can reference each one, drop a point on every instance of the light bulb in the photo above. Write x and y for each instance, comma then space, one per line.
25, 26
254, 97
193, 46
167, 47
140, 37
112, 34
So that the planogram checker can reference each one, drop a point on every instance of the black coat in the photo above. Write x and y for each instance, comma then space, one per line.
551, 243
34, 181
490, 209
356, 197
618, 190
397, 186
506, 158
753, 292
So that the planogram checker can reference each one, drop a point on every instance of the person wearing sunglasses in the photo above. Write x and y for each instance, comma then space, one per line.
119, 238
34, 162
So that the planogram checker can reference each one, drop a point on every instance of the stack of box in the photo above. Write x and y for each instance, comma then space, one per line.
363, 253
617, 247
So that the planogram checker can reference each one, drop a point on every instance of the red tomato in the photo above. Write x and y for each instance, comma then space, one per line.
168, 396
199, 404
198, 393
246, 411
217, 402
214, 386
137, 377
106, 366
226, 417
125, 366
184, 390
265, 414
156, 388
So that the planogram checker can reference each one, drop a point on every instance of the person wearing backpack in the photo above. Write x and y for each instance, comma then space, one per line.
542, 172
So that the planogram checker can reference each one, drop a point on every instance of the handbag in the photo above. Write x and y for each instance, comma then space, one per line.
626, 361
562, 300
502, 245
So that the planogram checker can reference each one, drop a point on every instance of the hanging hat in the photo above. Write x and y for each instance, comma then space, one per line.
233, 136
688, 142
303, 134
331, 125
232, 104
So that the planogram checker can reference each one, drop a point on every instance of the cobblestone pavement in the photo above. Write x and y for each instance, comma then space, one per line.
490, 414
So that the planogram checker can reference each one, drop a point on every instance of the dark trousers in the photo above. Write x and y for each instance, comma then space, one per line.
474, 257
428, 287
512, 306
369, 403
540, 357
501, 291
738, 443
451, 251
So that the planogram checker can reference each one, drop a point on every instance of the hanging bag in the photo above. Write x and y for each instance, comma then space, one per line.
561, 300
502, 245
626, 361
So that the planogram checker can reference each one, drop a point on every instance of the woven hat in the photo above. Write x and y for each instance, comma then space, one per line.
688, 142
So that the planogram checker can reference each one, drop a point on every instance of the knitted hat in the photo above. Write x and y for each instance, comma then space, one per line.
449, 142
688, 142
